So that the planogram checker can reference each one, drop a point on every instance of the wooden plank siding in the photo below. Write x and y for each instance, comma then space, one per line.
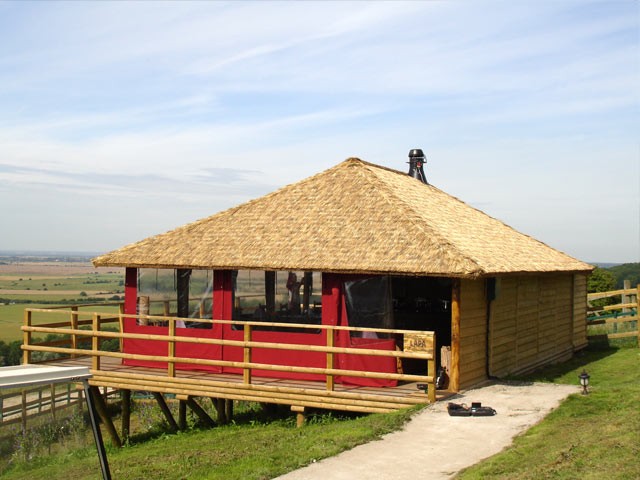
533, 321
473, 333
579, 311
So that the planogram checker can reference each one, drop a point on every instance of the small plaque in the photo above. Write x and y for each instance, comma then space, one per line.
418, 342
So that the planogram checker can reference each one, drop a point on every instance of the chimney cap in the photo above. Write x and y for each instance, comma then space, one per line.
416, 153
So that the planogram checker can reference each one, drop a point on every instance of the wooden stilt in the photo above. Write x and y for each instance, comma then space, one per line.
202, 415
228, 407
101, 408
126, 413
300, 416
182, 415
173, 426
220, 404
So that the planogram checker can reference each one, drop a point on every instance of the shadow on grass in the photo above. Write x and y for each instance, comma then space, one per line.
249, 414
551, 373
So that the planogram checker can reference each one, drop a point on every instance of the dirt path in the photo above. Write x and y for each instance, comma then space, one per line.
435, 445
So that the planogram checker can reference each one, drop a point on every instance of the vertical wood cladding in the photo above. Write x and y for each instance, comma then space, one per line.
579, 311
533, 322
473, 320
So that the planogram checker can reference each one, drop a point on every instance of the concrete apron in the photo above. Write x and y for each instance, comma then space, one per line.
434, 445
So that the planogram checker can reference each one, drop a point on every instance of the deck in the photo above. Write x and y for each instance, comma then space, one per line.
85, 333
296, 393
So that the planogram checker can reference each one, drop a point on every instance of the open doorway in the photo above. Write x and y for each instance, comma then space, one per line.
422, 303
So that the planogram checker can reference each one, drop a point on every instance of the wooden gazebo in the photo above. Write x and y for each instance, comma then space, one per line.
399, 262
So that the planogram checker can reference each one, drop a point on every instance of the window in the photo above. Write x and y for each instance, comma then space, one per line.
278, 297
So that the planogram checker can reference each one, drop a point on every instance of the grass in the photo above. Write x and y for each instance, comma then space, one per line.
588, 437
252, 448
593, 436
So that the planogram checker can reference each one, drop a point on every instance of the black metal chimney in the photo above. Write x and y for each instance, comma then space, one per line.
416, 161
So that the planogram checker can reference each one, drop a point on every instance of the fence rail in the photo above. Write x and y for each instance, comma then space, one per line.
71, 327
617, 320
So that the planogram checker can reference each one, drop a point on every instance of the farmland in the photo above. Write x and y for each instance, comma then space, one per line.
25, 283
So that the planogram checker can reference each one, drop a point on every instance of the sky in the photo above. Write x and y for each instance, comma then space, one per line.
122, 120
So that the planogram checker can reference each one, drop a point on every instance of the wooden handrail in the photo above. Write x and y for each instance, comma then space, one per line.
235, 343
78, 335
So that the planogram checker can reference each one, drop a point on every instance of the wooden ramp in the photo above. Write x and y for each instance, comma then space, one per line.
296, 393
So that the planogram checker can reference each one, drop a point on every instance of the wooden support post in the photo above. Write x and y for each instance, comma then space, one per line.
24, 410
199, 411
74, 325
638, 311
172, 348
431, 370
228, 410
454, 378
80, 393
300, 416
26, 338
101, 408
95, 343
166, 308
220, 406
246, 372
126, 413
53, 400
173, 426
625, 298
182, 415
330, 342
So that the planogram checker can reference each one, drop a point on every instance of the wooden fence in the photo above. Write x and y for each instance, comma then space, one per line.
617, 320
86, 329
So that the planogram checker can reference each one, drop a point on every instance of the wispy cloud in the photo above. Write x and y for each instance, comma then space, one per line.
127, 99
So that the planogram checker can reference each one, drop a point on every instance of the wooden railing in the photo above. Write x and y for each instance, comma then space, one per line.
620, 320
423, 348
19, 405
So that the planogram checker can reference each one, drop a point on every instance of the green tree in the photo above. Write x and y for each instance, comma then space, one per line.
601, 280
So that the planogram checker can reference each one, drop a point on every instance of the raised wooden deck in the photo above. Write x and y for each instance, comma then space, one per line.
296, 393
86, 328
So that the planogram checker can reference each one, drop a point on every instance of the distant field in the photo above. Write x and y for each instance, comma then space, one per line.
48, 284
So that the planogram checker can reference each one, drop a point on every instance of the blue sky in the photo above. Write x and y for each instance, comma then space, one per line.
121, 120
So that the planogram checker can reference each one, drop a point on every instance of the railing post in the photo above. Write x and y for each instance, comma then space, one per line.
74, 325
26, 337
24, 410
53, 400
166, 308
246, 373
172, 348
330, 343
95, 342
638, 312
431, 370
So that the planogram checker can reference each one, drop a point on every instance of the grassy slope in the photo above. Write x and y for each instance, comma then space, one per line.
595, 436
249, 451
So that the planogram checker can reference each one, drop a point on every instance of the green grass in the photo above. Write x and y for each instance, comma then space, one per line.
12, 318
251, 449
588, 437
86, 281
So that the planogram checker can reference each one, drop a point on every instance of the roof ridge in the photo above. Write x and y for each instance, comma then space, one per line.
389, 192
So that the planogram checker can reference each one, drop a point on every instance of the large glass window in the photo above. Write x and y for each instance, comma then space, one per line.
369, 304
177, 293
278, 297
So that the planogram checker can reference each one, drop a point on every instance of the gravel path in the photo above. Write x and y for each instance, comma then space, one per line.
434, 445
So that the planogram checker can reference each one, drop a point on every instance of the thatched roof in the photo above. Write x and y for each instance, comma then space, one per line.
355, 217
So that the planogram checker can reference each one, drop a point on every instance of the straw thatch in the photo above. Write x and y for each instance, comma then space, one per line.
355, 217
